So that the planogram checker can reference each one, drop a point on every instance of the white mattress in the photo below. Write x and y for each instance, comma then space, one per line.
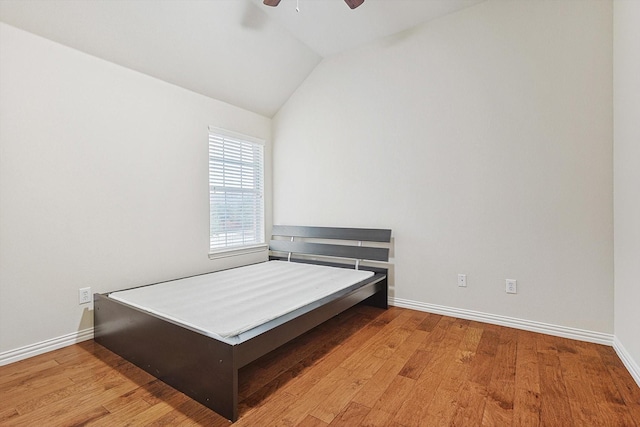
227, 303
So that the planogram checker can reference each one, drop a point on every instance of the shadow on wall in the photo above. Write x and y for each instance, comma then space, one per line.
86, 320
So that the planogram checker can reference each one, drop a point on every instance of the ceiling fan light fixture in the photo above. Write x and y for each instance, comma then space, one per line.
351, 3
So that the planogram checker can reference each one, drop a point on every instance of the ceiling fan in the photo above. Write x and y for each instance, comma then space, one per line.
352, 3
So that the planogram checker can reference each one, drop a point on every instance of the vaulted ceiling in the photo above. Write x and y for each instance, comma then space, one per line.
238, 51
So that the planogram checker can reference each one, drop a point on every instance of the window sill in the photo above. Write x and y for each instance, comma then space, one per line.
224, 253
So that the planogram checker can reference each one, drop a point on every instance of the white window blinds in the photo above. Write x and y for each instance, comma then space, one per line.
236, 190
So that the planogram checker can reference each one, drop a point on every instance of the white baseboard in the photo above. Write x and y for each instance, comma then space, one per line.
31, 350
628, 361
512, 322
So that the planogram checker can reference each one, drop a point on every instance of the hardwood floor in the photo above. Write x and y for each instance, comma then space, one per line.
366, 367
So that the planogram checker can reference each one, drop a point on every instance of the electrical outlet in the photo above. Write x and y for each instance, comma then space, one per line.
84, 296
512, 286
462, 280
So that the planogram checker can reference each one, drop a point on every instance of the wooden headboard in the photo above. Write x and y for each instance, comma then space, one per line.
323, 241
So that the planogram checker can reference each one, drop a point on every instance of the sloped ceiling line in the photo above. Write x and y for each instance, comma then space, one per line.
237, 51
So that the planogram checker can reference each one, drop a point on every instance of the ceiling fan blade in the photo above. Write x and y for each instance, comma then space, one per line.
272, 2
352, 3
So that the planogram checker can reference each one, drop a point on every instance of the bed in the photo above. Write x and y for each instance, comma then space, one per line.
198, 344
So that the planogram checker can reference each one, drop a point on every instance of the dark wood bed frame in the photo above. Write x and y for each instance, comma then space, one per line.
206, 369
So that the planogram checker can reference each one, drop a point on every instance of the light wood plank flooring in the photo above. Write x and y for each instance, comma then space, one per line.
366, 367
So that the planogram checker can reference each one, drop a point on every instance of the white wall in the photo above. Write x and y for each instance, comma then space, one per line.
103, 183
626, 170
484, 140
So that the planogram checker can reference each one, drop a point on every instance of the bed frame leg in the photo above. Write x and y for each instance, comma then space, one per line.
381, 298
224, 395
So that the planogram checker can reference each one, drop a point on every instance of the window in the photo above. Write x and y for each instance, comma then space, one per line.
236, 192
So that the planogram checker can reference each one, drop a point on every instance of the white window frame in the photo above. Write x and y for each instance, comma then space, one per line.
250, 182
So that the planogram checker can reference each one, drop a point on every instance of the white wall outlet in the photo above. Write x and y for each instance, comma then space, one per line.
512, 286
84, 296
462, 280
